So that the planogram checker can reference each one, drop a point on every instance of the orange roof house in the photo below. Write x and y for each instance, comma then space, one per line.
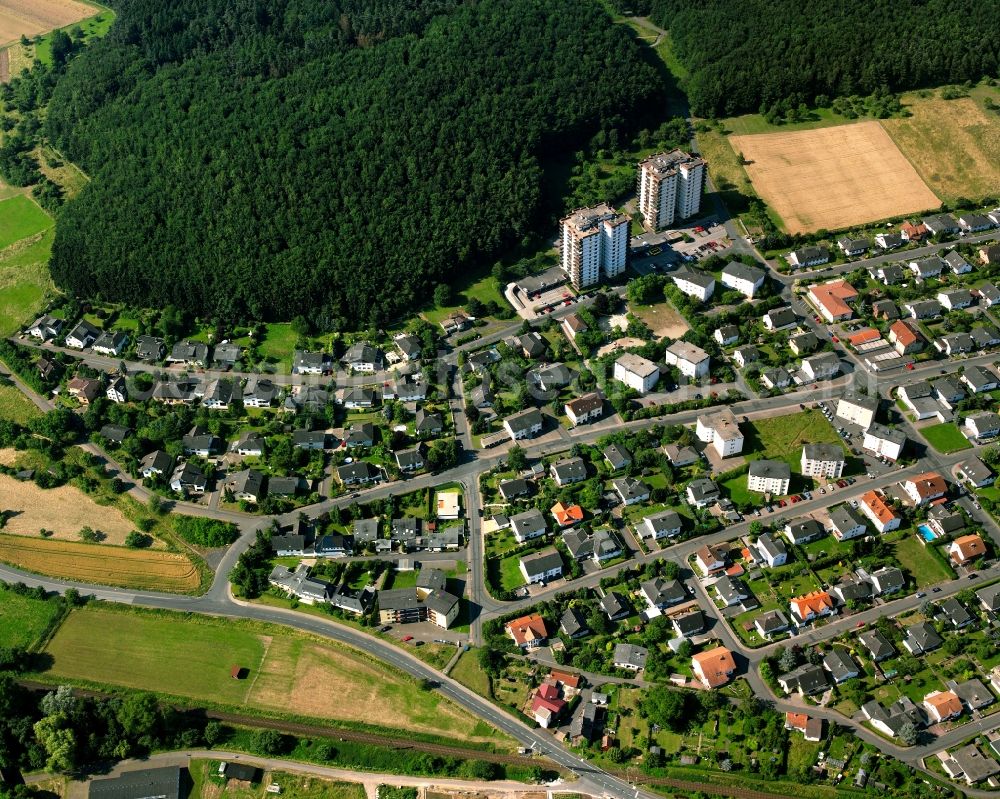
565, 678
925, 487
942, 705
565, 515
967, 548
864, 336
912, 232
882, 516
527, 630
714, 667
811, 729
831, 299
904, 337
812, 605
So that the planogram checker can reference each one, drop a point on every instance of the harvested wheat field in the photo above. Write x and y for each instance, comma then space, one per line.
64, 510
954, 144
833, 178
101, 565
293, 666
30, 17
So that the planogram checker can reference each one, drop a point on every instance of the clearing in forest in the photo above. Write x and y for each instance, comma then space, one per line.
833, 178
30, 17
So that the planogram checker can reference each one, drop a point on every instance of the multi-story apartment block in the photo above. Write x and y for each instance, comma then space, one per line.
670, 186
594, 243
822, 460
721, 430
769, 477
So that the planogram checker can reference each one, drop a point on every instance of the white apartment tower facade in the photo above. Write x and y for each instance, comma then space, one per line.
670, 186
594, 242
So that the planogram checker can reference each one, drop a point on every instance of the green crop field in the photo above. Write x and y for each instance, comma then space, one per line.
945, 437
21, 217
22, 619
192, 657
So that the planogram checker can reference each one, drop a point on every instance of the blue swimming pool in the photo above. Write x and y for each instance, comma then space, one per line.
926, 532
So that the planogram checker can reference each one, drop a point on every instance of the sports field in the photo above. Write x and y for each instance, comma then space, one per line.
834, 177
954, 144
30, 17
192, 657
103, 565
663, 319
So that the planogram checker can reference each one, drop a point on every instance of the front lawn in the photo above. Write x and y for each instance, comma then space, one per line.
945, 437
510, 573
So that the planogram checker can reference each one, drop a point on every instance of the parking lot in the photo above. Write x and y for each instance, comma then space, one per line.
853, 436
653, 252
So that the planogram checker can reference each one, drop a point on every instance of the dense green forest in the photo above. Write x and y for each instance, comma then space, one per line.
261, 159
753, 55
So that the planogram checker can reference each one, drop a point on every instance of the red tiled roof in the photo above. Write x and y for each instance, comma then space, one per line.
864, 336
967, 548
566, 678
716, 664
832, 296
527, 628
877, 506
928, 484
814, 601
904, 334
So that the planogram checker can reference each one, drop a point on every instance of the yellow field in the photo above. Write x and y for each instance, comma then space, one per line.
64, 510
954, 145
834, 177
100, 564
30, 17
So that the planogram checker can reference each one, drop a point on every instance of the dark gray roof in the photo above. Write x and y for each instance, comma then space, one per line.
743, 271
541, 562
573, 622
877, 644
614, 604
770, 469
161, 783
839, 664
